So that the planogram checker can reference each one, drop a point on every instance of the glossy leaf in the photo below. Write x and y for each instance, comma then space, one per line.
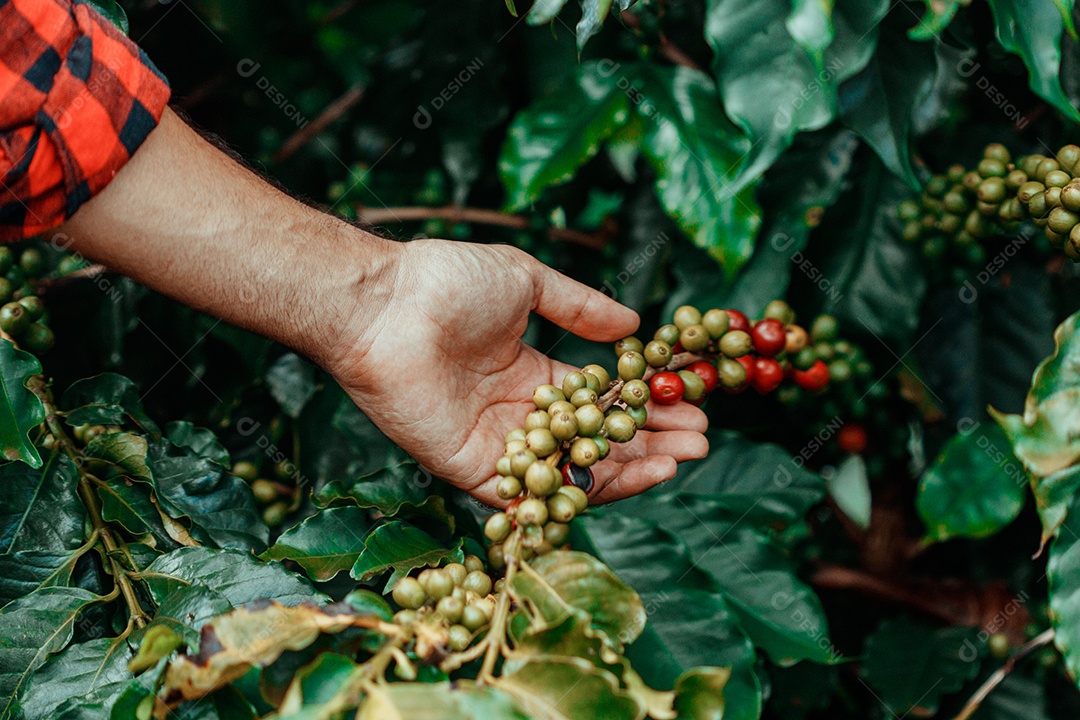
910, 665
544, 11
23, 572
937, 16
317, 684
291, 381
40, 509
849, 487
112, 12
20, 409
550, 140
94, 666
974, 488
31, 629
326, 543
235, 575
186, 609
441, 701
593, 13
402, 547
129, 504
201, 440
567, 689
397, 488
1063, 574
106, 399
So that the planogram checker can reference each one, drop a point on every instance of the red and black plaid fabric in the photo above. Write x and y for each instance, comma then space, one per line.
76, 100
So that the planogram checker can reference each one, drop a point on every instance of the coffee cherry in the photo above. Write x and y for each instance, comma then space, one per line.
557, 533
497, 527
795, 339
264, 491
473, 563
657, 353
999, 645
541, 442
585, 396
245, 471
584, 452
769, 337
667, 334
478, 583
456, 571
996, 151
601, 374
937, 186
731, 373
515, 437
1015, 179
545, 395
694, 338
496, 556
632, 366
561, 406
640, 416
839, 370
824, 328
738, 321
33, 306
576, 477
458, 638
1053, 197
473, 617
437, 583
408, 593
852, 439
716, 322
572, 383
991, 190
537, 419
736, 343
707, 372
635, 393
814, 379
32, 262
451, 609
1068, 156
508, 487
666, 388
779, 310
620, 427
7, 260
1045, 167
532, 511
542, 479
1057, 178
992, 168
564, 426
686, 316
520, 462
502, 465
1061, 220
628, 344
13, 318
603, 444
767, 375
693, 386
577, 494
590, 419
561, 509
1070, 197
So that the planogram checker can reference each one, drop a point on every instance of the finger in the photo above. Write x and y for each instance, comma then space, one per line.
682, 445
636, 477
680, 416
578, 308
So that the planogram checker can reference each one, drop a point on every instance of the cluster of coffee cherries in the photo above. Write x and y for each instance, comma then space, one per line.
850, 372
456, 596
83, 434
22, 313
268, 493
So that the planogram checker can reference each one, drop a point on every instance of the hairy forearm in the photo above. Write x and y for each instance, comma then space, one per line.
186, 220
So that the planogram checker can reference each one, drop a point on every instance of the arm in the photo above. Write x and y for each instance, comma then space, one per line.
425, 336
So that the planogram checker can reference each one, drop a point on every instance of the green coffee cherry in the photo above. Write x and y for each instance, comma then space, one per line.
473, 617
14, 318
585, 396
635, 393
989, 167
32, 262
541, 442
437, 584
628, 344
542, 479
601, 374
458, 638
532, 511
1028, 190
632, 366
1061, 220
572, 383
564, 426
502, 465
561, 406
561, 509
667, 334
545, 395
497, 527
515, 445
693, 386
478, 583
731, 373
1057, 178
736, 343
824, 327
496, 556
557, 533
590, 419
584, 452
996, 151
581, 500
603, 444
451, 609
520, 462
245, 471
517, 435
473, 563
686, 316
620, 427
408, 593
535, 420
1070, 197
508, 487
265, 492
991, 190
657, 353
956, 202
694, 338
640, 415
1044, 168
716, 322
1015, 179
456, 571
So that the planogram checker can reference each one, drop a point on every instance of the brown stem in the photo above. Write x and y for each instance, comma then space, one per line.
330, 113
838, 577
93, 507
668, 50
999, 675
90, 271
481, 216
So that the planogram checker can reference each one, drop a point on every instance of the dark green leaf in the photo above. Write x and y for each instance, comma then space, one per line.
127, 452
402, 487
371, 603
23, 572
974, 488
291, 381
938, 15
910, 665
550, 140
402, 547
326, 543
31, 629
186, 609
97, 665
1063, 573
40, 509
129, 504
1033, 31
112, 12
20, 408
235, 575
202, 441
375, 449
106, 399
316, 684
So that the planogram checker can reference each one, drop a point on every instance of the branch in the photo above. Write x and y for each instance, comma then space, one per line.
90, 271
481, 216
668, 50
838, 577
999, 675
330, 113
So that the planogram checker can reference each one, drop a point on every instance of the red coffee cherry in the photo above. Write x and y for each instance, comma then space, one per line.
814, 379
852, 439
769, 337
739, 321
707, 372
666, 388
767, 375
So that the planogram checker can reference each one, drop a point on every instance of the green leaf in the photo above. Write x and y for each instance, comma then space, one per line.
849, 487
938, 15
1033, 31
584, 583
291, 381
325, 543
371, 603
440, 701
106, 399
699, 693
317, 684
548, 141
31, 629
127, 452
880, 102
219, 503
93, 666
23, 572
690, 624
568, 689
402, 547
202, 441
773, 86
910, 665
1063, 573
22, 410
112, 12
40, 509
593, 13
186, 609
235, 575
158, 642
401, 487
129, 504
544, 11
974, 488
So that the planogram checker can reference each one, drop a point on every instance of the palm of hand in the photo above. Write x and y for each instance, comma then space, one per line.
444, 373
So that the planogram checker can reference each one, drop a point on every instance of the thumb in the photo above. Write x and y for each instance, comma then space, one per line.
578, 308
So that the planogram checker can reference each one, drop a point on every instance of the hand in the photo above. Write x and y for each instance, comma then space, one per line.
442, 370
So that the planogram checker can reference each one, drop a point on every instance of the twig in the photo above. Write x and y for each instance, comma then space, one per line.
838, 577
668, 49
90, 271
496, 637
482, 216
330, 113
998, 676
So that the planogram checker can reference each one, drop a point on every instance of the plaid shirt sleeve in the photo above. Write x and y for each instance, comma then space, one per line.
77, 98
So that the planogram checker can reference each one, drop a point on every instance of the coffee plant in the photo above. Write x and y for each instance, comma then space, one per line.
845, 227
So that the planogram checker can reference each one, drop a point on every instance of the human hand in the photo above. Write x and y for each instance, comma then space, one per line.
433, 355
